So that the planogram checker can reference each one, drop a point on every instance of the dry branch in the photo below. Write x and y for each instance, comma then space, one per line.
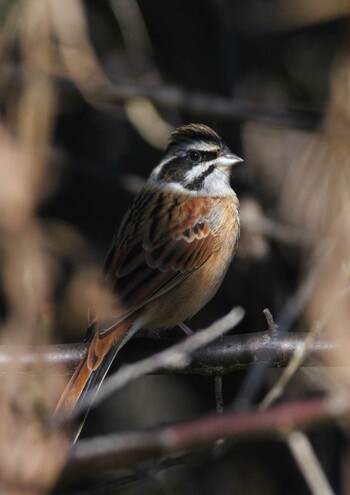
229, 354
202, 105
129, 448
176, 356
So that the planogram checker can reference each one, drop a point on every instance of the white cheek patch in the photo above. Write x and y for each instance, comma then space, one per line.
173, 187
210, 182
196, 171
215, 184
170, 186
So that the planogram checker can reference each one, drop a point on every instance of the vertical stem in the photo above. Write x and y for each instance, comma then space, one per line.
219, 400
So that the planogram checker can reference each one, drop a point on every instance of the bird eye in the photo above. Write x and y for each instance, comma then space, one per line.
195, 156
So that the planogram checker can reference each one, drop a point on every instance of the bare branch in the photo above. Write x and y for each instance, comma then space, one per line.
175, 97
231, 353
289, 314
178, 355
129, 448
203, 104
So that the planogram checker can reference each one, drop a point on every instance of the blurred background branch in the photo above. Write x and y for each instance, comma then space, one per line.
277, 421
103, 92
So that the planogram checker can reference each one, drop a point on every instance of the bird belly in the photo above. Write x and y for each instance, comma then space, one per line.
186, 299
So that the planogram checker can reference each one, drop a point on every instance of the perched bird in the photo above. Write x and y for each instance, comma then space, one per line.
170, 253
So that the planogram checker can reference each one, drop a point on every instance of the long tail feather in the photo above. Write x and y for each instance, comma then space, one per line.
93, 368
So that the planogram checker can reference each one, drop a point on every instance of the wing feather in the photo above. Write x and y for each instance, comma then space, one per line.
159, 245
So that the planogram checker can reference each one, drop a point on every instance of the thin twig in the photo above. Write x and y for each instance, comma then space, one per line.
308, 463
109, 485
255, 377
298, 443
219, 398
177, 356
300, 354
273, 328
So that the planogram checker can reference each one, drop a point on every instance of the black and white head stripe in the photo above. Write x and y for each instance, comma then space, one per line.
197, 161
188, 165
190, 133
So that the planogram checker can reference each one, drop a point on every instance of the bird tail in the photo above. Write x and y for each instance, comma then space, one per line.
92, 370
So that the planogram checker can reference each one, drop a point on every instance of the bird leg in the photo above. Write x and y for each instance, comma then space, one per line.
187, 330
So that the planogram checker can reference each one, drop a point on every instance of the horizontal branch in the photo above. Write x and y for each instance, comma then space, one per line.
177, 98
129, 448
226, 355
204, 104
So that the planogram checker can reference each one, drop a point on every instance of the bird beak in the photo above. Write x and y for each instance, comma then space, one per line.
228, 159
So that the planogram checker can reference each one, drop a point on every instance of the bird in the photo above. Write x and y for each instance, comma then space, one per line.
169, 255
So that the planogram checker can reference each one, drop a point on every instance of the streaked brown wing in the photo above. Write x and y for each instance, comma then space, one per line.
162, 239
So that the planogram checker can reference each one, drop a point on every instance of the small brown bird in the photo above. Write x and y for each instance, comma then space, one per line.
170, 253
